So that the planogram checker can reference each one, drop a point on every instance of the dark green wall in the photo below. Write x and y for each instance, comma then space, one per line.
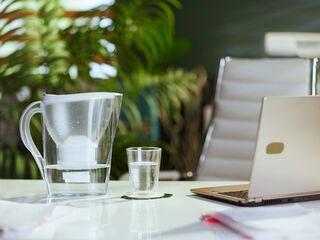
236, 27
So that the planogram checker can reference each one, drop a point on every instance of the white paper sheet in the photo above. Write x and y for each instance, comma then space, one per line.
20, 218
273, 222
82, 219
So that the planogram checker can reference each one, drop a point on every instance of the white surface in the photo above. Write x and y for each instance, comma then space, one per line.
82, 5
112, 217
291, 221
302, 44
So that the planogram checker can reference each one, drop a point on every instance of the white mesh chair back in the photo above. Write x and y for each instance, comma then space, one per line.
242, 83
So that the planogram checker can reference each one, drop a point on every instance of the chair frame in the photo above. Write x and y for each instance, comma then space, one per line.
223, 61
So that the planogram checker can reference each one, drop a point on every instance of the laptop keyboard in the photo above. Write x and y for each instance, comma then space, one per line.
239, 194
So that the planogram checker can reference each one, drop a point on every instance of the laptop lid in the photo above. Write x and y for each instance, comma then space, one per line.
287, 156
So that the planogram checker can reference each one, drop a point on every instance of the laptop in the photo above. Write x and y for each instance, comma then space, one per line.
286, 166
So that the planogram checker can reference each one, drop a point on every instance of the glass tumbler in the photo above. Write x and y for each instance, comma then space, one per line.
144, 166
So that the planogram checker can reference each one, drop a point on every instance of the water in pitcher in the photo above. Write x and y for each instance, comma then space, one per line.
96, 173
144, 175
82, 179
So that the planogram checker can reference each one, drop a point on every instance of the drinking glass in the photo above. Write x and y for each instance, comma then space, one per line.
144, 166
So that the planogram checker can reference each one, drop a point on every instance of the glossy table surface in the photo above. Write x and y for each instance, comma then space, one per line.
113, 217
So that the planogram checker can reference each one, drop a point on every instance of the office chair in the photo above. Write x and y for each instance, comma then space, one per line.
242, 83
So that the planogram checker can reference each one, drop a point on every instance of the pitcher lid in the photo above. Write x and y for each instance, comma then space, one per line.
53, 98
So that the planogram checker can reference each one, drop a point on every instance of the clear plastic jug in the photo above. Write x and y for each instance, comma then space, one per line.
77, 132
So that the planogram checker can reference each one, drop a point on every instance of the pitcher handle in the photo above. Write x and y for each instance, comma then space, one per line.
25, 133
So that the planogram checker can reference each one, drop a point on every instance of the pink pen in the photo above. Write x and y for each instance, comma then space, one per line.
212, 220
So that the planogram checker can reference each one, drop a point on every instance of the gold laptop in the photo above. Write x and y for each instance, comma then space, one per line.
286, 165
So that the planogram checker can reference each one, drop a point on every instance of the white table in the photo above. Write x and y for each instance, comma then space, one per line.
112, 217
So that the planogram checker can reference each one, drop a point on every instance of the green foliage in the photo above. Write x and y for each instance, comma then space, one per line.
174, 88
146, 45
12, 66
144, 34
13, 76
181, 117
53, 45
49, 55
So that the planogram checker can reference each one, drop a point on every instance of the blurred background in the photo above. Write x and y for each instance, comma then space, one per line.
161, 54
